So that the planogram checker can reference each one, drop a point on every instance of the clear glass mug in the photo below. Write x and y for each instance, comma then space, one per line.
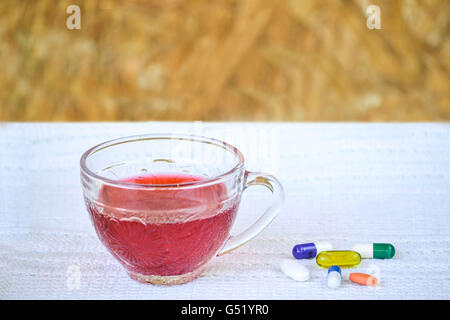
164, 204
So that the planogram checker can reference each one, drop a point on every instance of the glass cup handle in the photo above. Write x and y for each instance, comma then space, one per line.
271, 183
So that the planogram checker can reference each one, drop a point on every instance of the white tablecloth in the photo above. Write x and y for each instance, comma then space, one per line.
345, 183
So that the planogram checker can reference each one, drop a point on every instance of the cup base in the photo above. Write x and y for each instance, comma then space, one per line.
166, 280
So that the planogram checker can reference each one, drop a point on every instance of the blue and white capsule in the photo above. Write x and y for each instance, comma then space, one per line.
334, 277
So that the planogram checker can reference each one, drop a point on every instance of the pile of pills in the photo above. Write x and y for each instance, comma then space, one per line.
334, 260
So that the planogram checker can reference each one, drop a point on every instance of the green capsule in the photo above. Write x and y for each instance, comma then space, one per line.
343, 259
375, 250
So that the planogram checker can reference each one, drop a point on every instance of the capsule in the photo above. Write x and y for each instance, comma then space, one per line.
343, 259
334, 277
310, 250
375, 250
363, 279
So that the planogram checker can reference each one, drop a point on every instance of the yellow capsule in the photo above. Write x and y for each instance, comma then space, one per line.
343, 259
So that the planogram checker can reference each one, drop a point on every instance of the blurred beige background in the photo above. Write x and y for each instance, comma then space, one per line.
287, 60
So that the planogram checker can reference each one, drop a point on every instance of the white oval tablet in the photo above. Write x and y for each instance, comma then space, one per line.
294, 269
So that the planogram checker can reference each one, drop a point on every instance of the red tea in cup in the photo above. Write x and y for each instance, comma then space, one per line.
171, 231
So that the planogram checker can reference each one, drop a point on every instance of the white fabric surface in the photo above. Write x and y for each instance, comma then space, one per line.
345, 183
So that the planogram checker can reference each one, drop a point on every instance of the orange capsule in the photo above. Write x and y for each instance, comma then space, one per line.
364, 279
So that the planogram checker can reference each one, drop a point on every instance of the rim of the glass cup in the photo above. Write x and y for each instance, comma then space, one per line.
166, 136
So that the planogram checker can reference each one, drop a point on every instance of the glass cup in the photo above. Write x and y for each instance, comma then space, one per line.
164, 205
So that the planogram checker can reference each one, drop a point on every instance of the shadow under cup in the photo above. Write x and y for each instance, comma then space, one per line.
164, 205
